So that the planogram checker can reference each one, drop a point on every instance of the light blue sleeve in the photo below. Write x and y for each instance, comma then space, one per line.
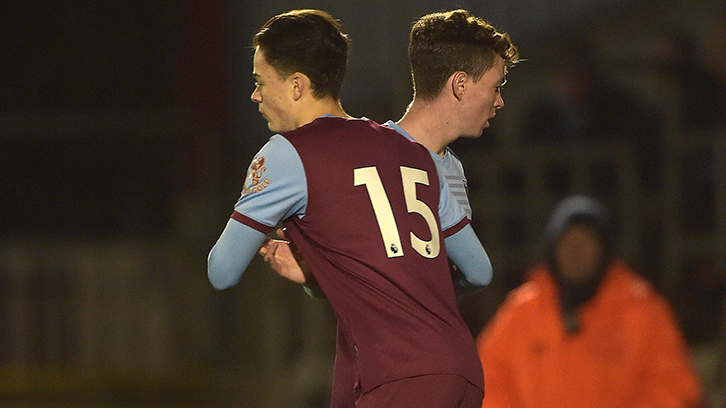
471, 259
450, 212
232, 253
275, 189
474, 269
456, 179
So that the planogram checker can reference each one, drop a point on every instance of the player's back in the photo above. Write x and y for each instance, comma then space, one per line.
359, 176
371, 236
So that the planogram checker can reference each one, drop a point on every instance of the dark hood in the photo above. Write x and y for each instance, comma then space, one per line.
585, 210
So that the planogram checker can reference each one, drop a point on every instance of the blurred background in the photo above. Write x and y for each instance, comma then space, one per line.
126, 129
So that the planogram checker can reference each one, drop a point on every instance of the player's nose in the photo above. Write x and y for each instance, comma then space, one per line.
256, 97
499, 103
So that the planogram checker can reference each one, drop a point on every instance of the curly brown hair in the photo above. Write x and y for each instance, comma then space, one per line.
446, 42
306, 41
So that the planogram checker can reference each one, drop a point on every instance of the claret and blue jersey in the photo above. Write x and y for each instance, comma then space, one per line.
453, 171
367, 210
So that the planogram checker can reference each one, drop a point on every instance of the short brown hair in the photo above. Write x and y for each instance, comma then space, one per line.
306, 41
446, 42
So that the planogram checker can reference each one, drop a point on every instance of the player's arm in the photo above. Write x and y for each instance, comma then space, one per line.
474, 269
275, 189
232, 253
471, 260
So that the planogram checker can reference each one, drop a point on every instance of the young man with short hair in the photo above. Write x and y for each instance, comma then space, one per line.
368, 211
459, 64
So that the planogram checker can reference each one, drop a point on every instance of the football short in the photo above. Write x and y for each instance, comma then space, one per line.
430, 391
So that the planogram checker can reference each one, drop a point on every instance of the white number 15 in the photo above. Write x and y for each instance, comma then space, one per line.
369, 177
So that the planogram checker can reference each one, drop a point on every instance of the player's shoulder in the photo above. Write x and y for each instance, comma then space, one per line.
371, 125
454, 157
328, 125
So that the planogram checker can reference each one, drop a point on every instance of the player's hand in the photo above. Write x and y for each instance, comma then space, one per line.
279, 255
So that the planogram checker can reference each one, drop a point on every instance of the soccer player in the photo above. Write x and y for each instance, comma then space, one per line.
368, 212
459, 64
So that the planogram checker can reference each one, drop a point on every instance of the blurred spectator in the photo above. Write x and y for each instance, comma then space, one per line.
585, 330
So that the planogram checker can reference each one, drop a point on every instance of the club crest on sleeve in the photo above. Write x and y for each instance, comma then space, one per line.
254, 181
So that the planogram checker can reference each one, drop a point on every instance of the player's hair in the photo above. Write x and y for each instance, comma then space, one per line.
446, 42
310, 42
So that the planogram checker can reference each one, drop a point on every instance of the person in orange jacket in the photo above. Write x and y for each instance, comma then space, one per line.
585, 330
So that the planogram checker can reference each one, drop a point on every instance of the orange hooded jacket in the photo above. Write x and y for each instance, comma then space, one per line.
627, 353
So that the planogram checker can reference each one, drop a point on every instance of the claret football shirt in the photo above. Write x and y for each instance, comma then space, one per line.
365, 207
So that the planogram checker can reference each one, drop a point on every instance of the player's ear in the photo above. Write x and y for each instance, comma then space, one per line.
458, 84
300, 84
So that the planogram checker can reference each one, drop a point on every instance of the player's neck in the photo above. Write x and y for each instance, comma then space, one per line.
429, 124
321, 107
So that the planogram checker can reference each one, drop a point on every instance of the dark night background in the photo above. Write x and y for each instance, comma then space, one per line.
126, 129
